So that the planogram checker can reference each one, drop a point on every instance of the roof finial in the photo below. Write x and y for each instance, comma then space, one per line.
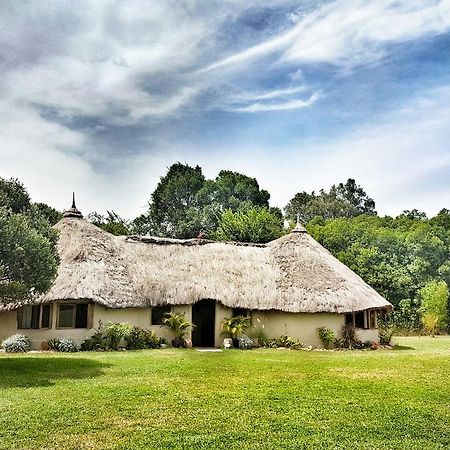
299, 228
73, 211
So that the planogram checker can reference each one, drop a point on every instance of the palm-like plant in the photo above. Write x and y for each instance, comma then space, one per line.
235, 326
177, 323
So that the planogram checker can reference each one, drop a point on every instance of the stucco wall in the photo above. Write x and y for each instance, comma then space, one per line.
140, 317
272, 323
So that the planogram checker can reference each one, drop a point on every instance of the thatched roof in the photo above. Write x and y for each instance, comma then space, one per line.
293, 273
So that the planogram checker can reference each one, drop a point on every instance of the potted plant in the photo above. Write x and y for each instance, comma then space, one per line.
179, 325
234, 327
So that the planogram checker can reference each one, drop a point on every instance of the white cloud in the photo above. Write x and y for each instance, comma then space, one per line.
278, 106
348, 33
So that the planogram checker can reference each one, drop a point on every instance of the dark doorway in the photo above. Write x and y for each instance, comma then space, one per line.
204, 318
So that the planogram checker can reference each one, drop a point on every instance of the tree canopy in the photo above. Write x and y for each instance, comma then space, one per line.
28, 255
342, 200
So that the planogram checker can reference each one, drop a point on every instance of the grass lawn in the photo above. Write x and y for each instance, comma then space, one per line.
258, 399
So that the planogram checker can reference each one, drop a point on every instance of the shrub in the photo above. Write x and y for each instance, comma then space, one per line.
67, 345
385, 333
114, 333
18, 343
285, 342
140, 338
434, 296
53, 344
177, 323
326, 336
245, 343
349, 339
235, 326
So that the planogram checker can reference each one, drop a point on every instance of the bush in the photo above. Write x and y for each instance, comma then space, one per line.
18, 343
326, 336
434, 308
114, 333
140, 338
349, 339
67, 345
245, 343
283, 341
385, 333
53, 344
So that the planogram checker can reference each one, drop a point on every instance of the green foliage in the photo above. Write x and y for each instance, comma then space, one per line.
396, 256
28, 255
185, 204
52, 215
235, 326
114, 333
327, 336
257, 225
245, 343
112, 223
18, 343
342, 200
349, 339
177, 323
282, 342
140, 338
434, 296
66, 345
53, 344
385, 333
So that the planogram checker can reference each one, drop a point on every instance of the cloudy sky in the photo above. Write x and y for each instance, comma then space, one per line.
101, 96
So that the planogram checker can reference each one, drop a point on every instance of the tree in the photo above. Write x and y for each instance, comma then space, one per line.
185, 204
169, 210
28, 255
257, 225
342, 200
112, 223
434, 308
51, 214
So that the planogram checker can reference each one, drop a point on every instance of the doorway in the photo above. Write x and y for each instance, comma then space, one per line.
204, 319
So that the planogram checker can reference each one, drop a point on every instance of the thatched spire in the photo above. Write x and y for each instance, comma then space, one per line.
299, 228
73, 211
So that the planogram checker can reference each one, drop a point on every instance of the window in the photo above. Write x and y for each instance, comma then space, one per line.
241, 312
359, 320
349, 319
73, 315
158, 313
34, 317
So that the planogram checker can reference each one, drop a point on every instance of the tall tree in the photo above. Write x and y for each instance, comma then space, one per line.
342, 200
28, 255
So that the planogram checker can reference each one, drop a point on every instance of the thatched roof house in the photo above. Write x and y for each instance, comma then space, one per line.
293, 274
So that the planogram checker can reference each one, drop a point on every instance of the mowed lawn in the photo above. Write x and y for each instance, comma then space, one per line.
258, 399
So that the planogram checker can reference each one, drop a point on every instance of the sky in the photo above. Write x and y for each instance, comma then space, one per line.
100, 97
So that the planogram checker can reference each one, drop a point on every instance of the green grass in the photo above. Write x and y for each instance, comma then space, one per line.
258, 399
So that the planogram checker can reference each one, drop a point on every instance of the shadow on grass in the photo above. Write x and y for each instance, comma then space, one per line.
45, 371
402, 347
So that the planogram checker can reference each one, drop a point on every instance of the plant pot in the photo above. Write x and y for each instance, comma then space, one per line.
178, 343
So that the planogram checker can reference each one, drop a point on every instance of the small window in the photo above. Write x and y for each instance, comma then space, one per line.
241, 312
359, 319
158, 313
372, 319
73, 316
46, 316
349, 319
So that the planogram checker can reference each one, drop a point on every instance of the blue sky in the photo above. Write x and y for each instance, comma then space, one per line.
101, 96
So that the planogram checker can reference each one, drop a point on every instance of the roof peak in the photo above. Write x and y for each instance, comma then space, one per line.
73, 211
299, 228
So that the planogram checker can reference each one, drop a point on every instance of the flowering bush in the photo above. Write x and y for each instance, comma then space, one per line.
18, 343
245, 343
